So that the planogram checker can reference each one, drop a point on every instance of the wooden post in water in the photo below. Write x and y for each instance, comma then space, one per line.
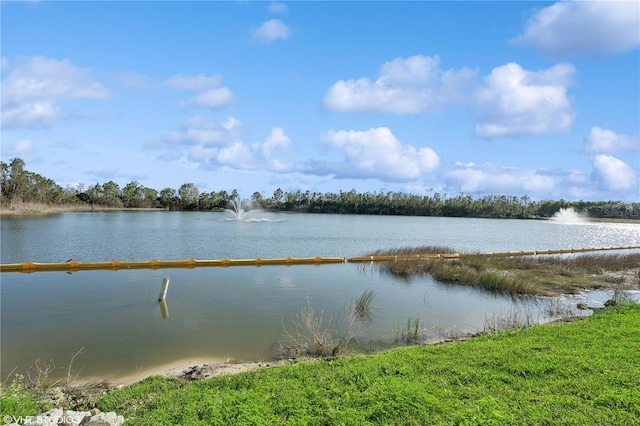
164, 310
164, 288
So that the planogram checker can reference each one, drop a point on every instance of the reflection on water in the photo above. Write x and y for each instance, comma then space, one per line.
239, 313
105, 236
216, 314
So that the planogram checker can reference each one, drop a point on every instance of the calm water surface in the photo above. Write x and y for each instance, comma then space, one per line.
239, 313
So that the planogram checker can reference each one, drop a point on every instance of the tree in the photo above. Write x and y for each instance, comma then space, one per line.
93, 195
223, 199
43, 190
150, 197
257, 197
15, 187
4, 181
168, 198
188, 196
132, 195
111, 194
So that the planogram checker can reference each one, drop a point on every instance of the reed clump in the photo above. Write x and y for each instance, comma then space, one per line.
314, 336
523, 275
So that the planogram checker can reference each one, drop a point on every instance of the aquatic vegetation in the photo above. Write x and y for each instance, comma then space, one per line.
362, 308
314, 336
523, 275
576, 373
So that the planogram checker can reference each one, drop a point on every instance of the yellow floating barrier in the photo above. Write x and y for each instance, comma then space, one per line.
73, 266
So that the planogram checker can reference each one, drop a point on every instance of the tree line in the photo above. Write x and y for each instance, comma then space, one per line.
20, 185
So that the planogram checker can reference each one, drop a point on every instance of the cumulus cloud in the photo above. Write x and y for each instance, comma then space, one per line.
276, 7
29, 114
516, 102
214, 98
610, 179
216, 144
376, 154
576, 27
510, 101
201, 131
34, 87
490, 178
608, 142
404, 86
276, 139
614, 174
211, 94
270, 31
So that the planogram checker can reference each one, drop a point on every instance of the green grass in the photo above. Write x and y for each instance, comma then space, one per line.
16, 401
585, 372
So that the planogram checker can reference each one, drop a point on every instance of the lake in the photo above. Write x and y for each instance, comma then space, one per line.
240, 313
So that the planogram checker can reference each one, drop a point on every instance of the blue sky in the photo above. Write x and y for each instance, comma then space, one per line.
517, 98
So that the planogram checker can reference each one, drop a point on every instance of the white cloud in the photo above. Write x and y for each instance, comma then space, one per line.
610, 179
216, 144
213, 98
517, 102
270, 31
615, 174
211, 94
199, 130
196, 83
42, 78
376, 154
29, 114
236, 155
276, 139
276, 7
606, 141
489, 178
574, 27
405, 86
34, 86
21, 147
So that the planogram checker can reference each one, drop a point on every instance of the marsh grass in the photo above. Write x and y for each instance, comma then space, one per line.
556, 307
312, 335
32, 207
523, 275
363, 307
580, 373
514, 319
413, 331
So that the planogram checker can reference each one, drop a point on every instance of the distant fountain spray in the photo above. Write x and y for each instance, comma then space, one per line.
245, 211
569, 216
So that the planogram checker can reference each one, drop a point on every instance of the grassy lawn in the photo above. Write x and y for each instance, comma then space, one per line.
585, 372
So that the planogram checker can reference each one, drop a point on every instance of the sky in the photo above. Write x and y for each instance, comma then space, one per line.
516, 98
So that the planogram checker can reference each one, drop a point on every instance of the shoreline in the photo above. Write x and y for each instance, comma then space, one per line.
411, 385
28, 211
203, 368
44, 209
191, 369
